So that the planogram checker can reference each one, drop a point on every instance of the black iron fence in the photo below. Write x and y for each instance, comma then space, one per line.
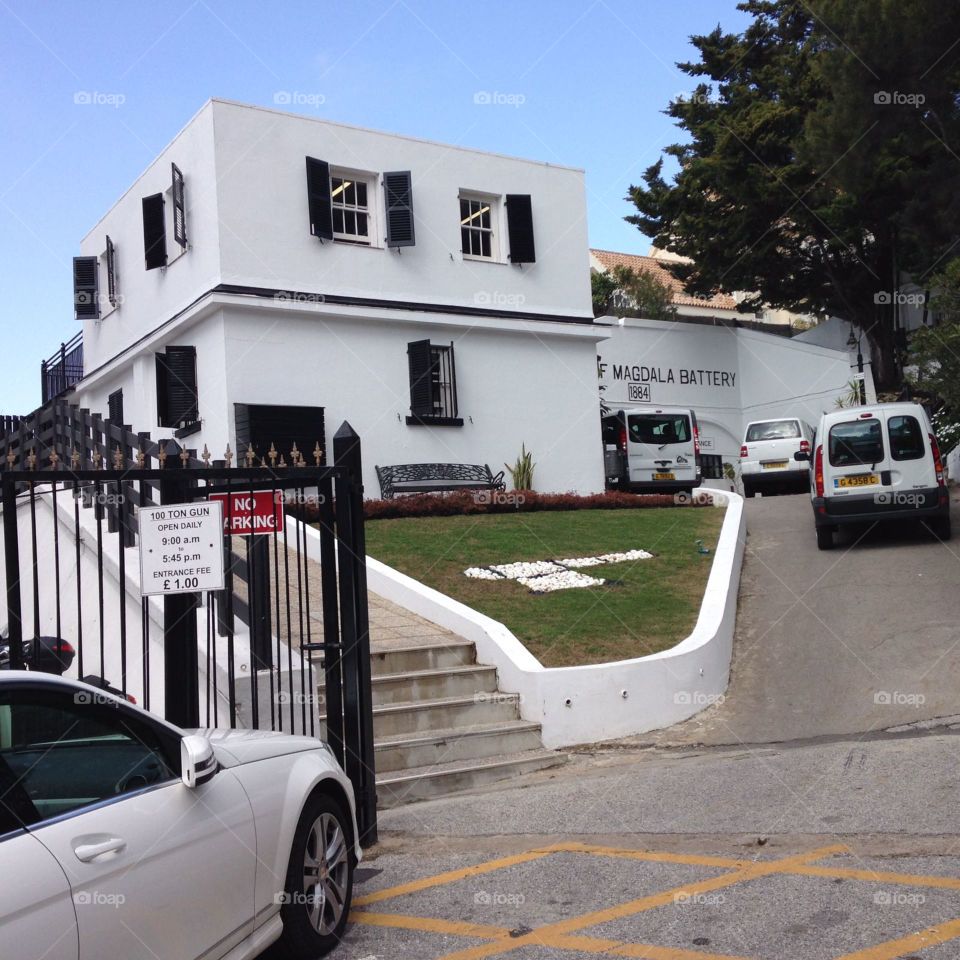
62, 370
282, 643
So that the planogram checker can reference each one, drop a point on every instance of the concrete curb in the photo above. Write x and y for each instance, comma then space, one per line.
603, 701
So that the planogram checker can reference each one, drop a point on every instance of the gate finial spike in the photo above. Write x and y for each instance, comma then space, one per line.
32, 459
75, 459
283, 462
228, 456
162, 456
54, 459
141, 457
250, 456
205, 456
272, 454
118, 458
11, 459
295, 457
317, 453
184, 457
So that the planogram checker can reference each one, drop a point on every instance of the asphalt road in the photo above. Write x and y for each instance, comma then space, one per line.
863, 637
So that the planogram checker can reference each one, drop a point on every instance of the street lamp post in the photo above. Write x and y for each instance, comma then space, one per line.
857, 342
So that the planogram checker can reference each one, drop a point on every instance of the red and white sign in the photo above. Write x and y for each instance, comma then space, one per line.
258, 512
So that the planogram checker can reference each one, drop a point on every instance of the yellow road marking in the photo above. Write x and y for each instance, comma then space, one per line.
451, 876
429, 925
655, 856
650, 902
874, 876
892, 949
615, 948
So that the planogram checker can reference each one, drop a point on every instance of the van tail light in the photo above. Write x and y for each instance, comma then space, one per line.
804, 446
622, 439
743, 451
818, 471
696, 443
937, 461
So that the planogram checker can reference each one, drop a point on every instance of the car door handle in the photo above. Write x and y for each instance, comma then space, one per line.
86, 852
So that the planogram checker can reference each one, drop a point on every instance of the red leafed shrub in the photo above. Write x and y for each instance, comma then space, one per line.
515, 501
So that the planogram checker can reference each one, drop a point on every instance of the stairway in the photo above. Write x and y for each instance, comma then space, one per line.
440, 724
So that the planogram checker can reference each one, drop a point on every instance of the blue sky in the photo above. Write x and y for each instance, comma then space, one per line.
94, 90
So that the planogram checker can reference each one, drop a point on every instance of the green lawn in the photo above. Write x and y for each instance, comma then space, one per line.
652, 605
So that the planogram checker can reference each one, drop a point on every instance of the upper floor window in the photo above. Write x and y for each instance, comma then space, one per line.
478, 229
350, 209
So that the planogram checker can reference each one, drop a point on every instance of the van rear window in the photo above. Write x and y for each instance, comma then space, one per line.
855, 442
660, 429
773, 430
906, 438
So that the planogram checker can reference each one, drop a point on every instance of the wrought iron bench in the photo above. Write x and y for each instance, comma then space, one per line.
436, 478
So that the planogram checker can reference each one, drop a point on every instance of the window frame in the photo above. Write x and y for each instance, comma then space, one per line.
665, 418
856, 422
444, 387
370, 182
923, 443
495, 202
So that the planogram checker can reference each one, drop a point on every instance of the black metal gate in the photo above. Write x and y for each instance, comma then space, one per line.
283, 646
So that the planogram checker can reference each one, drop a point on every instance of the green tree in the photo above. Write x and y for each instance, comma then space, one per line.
640, 294
821, 164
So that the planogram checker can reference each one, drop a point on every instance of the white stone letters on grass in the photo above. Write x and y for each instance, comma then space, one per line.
545, 576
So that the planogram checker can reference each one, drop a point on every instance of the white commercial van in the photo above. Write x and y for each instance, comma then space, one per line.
879, 462
656, 449
766, 454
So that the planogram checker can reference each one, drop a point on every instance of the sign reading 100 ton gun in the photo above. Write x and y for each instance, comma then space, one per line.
181, 548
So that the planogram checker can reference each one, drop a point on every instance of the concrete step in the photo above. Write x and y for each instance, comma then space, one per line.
444, 746
425, 783
429, 716
433, 684
410, 659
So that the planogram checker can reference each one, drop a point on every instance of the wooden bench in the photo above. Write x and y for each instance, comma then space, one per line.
436, 478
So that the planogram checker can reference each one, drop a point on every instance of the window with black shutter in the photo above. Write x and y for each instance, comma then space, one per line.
154, 232
86, 288
115, 407
177, 401
398, 199
433, 385
318, 198
520, 228
111, 272
259, 425
179, 209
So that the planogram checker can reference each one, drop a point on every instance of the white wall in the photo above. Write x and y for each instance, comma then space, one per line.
265, 235
150, 297
728, 376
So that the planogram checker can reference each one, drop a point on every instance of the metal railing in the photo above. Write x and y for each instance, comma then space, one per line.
62, 370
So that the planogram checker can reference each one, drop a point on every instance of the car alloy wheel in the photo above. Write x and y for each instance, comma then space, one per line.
325, 873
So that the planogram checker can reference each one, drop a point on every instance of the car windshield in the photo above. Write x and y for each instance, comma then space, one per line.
856, 442
659, 428
773, 430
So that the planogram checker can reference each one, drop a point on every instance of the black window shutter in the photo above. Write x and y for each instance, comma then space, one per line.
421, 362
111, 272
86, 288
398, 198
177, 402
179, 211
115, 407
318, 198
154, 232
520, 228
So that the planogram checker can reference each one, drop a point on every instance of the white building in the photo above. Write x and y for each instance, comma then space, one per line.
270, 275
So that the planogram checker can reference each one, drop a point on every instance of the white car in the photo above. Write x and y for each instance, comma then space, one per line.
878, 462
767, 454
122, 836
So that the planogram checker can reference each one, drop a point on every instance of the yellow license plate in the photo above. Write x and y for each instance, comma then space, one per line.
774, 464
664, 476
857, 480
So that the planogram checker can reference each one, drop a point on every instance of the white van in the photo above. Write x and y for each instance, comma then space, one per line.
766, 454
656, 449
880, 462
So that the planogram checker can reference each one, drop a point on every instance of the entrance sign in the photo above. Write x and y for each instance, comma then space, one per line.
257, 512
181, 548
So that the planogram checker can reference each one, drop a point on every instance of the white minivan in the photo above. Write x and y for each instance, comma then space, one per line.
766, 454
656, 449
880, 462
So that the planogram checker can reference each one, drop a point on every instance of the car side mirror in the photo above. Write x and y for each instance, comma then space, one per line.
802, 455
198, 762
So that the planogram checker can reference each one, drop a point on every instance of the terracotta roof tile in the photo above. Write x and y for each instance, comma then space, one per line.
609, 259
